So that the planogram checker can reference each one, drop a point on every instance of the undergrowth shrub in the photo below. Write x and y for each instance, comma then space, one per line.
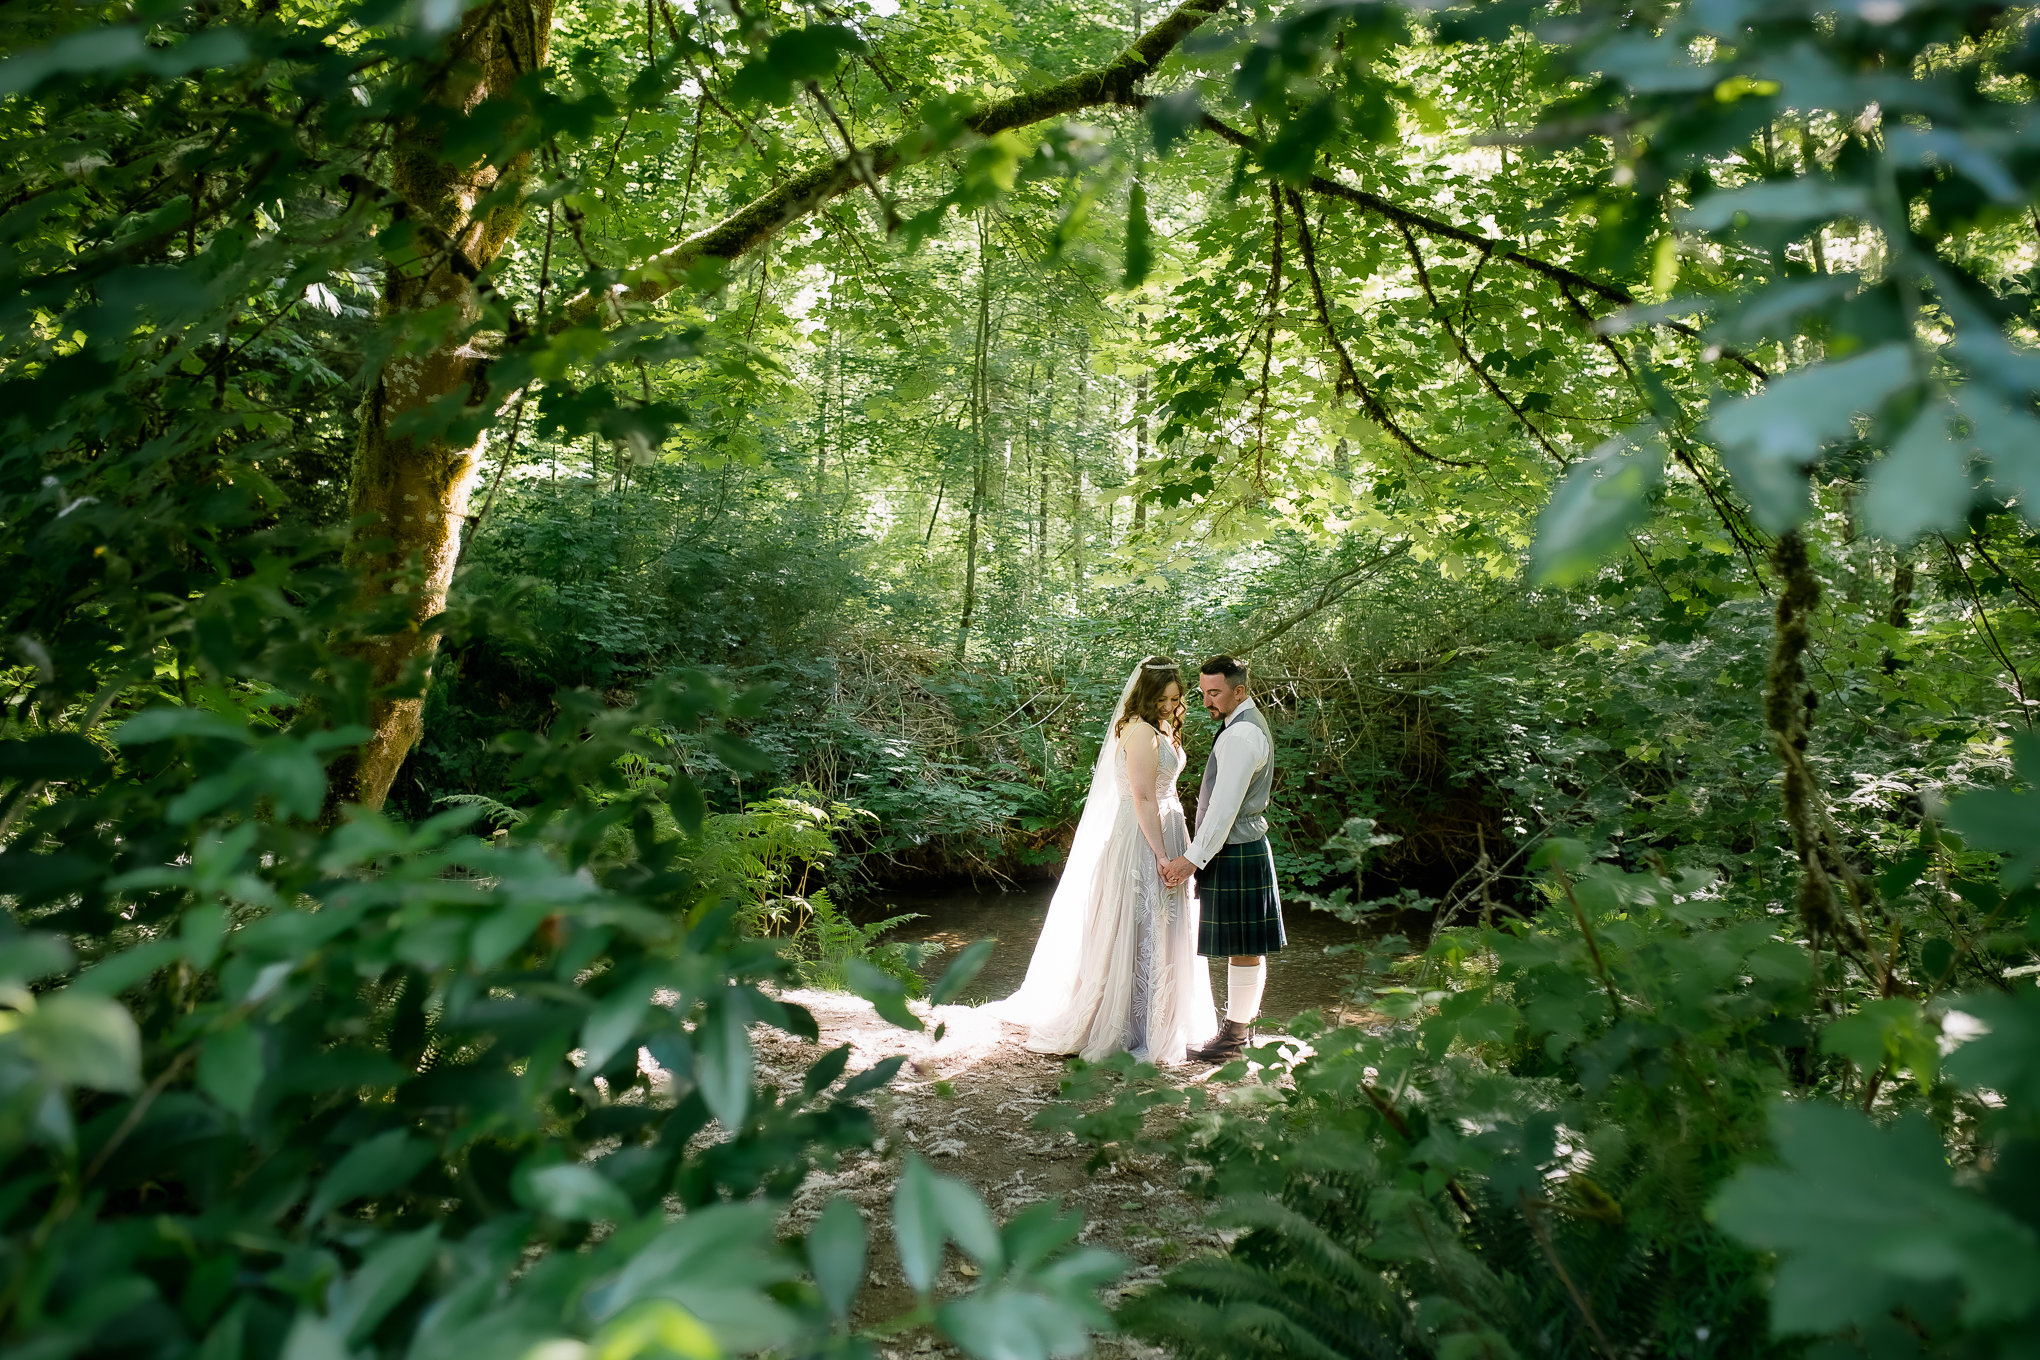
283, 1081
1645, 1119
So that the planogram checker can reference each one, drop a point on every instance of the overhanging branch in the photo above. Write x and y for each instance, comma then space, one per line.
770, 213
1337, 587
1432, 226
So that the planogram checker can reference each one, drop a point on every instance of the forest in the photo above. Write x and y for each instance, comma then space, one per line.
528, 526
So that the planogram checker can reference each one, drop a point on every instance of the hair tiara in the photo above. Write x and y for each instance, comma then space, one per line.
1161, 665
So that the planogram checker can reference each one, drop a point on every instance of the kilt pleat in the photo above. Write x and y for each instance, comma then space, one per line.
1239, 909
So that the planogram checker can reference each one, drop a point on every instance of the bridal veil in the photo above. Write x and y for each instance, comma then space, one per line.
1052, 974
1116, 964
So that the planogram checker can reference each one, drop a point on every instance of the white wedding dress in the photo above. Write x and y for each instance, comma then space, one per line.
1116, 966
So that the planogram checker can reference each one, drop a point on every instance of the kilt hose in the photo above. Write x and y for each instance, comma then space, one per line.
1239, 910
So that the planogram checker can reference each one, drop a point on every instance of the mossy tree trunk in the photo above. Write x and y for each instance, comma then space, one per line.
412, 473
417, 451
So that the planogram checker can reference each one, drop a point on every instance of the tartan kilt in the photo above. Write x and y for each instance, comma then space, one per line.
1239, 910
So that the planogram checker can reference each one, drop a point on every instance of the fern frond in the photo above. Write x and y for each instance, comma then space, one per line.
498, 814
1309, 1242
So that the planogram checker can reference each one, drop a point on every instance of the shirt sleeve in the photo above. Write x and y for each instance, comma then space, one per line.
1246, 751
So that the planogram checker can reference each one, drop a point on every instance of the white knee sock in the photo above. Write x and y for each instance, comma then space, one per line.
1243, 990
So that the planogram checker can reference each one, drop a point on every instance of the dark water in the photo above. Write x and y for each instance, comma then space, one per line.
1300, 978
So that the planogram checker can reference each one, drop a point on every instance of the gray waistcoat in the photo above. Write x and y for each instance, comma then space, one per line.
1252, 823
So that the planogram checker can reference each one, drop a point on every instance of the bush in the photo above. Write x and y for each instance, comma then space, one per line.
1560, 1143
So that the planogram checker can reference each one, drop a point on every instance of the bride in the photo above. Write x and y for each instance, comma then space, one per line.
1116, 966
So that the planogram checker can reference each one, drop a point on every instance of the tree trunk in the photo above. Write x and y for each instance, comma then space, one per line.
842, 431
1077, 472
415, 457
412, 472
1041, 470
1140, 443
980, 422
822, 433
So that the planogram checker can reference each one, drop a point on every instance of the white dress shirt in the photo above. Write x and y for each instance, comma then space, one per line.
1241, 752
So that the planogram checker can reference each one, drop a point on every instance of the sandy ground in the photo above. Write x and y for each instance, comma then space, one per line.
967, 1104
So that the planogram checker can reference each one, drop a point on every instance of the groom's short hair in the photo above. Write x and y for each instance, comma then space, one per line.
1232, 668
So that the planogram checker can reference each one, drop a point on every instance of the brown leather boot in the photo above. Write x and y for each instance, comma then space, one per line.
1230, 1043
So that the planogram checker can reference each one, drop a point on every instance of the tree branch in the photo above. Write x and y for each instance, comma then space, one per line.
770, 213
1349, 376
1479, 370
1431, 226
1335, 588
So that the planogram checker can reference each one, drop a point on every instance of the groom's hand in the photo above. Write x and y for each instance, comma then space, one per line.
1178, 870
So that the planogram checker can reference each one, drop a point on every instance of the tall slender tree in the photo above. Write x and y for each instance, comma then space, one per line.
423, 420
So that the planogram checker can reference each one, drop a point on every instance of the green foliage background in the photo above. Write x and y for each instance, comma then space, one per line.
1607, 430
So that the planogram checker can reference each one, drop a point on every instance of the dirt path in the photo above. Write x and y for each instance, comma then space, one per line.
967, 1105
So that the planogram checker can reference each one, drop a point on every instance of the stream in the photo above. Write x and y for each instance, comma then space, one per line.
1300, 978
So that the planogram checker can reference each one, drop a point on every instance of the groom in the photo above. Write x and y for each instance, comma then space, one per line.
1242, 913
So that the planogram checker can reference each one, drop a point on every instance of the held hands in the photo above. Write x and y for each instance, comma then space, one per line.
1177, 871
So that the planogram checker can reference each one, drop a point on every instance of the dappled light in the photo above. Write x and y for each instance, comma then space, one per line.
880, 679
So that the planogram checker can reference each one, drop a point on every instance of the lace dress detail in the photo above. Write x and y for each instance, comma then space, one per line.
1140, 986
1156, 907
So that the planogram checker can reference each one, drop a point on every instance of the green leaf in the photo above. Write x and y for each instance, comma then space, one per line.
230, 1067
918, 1233
615, 1018
1891, 1029
93, 51
1967, 153
384, 1163
1769, 439
1790, 200
1922, 486
1140, 238
715, 1262
1171, 118
835, 1251
1014, 1324
1291, 155
968, 1224
203, 932
959, 973
112, 976
872, 1077
793, 58
59, 755
683, 796
83, 1040
2003, 820
1859, 1215
574, 1191
1593, 510
884, 991
1038, 1232
1937, 959
738, 754
2009, 436
656, 1327
312, 1337
823, 1072
163, 724
389, 1272
28, 957
2005, 1057
723, 1059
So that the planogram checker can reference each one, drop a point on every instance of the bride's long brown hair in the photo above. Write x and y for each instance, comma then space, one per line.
1150, 701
